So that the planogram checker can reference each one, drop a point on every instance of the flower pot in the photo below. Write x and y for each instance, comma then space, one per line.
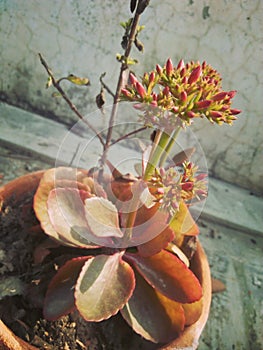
16, 191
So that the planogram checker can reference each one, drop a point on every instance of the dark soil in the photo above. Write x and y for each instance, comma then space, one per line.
23, 284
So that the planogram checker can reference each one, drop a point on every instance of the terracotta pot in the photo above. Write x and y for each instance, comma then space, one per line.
14, 193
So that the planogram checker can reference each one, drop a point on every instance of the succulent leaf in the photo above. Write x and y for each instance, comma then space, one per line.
105, 284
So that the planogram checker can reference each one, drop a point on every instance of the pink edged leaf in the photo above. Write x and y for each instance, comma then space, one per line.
67, 215
156, 244
104, 286
59, 300
102, 217
192, 311
152, 315
41, 198
169, 275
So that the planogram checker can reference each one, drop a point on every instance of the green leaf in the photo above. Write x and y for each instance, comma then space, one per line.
104, 286
77, 80
59, 300
151, 314
67, 215
102, 217
169, 275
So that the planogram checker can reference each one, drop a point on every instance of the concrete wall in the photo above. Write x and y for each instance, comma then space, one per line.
83, 36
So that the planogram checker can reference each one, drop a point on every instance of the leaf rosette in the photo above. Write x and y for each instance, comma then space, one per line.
137, 274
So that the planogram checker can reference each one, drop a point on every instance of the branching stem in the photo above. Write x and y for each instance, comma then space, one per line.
67, 99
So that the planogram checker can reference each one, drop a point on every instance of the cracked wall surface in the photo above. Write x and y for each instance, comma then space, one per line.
82, 37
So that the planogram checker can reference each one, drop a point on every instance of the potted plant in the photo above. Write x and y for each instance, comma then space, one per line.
127, 244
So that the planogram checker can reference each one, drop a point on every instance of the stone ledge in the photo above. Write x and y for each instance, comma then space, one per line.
23, 131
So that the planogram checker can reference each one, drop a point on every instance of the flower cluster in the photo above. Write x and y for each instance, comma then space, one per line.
168, 95
172, 185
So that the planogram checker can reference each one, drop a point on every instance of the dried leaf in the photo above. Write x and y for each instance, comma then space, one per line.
217, 286
104, 286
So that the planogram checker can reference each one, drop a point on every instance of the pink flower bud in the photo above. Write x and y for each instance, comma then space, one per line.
151, 77
182, 72
166, 91
216, 115
235, 111
154, 103
185, 80
138, 106
232, 93
125, 92
203, 104
160, 190
154, 96
180, 64
140, 89
220, 96
196, 73
169, 67
188, 186
191, 114
200, 177
175, 109
204, 65
183, 96
133, 79
159, 69
200, 192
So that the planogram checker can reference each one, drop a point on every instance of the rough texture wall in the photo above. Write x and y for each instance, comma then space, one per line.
83, 36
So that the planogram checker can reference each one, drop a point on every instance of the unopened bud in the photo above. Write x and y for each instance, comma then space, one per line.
140, 89
151, 77
125, 92
200, 177
203, 104
220, 96
194, 76
235, 111
166, 90
232, 93
180, 64
216, 115
185, 80
183, 96
133, 79
159, 69
187, 186
191, 114
169, 67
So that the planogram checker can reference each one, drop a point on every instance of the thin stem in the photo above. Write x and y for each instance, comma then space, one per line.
169, 146
67, 99
128, 135
118, 90
106, 86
